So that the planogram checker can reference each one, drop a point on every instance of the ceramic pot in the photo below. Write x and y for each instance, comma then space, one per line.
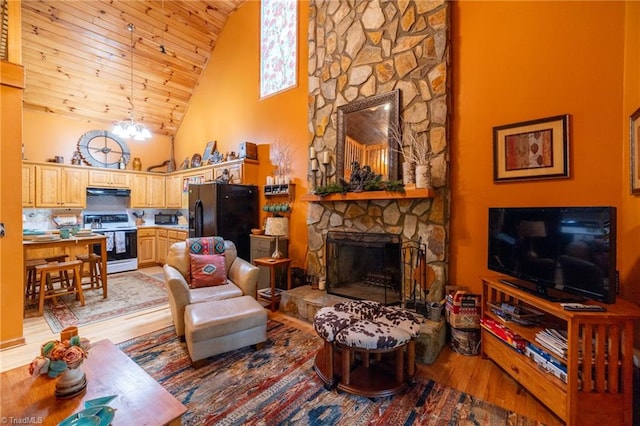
137, 164
72, 382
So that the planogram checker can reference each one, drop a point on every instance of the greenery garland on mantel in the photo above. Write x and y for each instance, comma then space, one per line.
374, 185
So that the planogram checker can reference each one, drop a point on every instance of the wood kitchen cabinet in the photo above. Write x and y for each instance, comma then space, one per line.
147, 191
146, 247
58, 186
173, 185
28, 185
242, 171
161, 246
108, 178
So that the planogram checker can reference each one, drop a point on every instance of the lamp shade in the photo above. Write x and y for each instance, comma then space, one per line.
277, 226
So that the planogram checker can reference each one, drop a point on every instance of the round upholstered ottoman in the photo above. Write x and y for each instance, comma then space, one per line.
354, 331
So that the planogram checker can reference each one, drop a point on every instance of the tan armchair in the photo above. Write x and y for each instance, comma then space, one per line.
242, 280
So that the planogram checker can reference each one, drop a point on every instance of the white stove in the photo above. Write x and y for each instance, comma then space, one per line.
122, 239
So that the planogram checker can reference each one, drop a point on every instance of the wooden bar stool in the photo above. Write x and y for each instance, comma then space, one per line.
95, 272
74, 287
63, 276
31, 282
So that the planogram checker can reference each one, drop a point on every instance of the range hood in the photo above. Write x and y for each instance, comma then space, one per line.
114, 192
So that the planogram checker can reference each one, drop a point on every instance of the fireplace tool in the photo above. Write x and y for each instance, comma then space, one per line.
421, 274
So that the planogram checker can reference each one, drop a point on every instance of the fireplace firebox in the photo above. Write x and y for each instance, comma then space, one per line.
364, 266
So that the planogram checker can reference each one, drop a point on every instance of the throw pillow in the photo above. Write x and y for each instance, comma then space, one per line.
207, 270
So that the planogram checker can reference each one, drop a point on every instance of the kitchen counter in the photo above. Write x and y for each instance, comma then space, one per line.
153, 225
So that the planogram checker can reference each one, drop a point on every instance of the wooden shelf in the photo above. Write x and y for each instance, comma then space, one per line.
370, 195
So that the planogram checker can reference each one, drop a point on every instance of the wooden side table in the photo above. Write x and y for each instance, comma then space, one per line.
272, 264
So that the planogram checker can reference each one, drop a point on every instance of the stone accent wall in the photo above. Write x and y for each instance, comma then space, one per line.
363, 48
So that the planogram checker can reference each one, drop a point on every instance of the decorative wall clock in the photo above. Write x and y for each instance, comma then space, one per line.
101, 148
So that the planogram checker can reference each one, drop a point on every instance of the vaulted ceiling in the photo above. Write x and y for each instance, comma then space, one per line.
77, 57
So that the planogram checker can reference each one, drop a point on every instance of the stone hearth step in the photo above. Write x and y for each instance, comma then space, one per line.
303, 302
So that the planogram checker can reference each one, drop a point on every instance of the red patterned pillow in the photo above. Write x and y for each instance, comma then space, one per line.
207, 270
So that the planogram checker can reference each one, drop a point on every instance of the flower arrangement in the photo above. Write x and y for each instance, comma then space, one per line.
58, 356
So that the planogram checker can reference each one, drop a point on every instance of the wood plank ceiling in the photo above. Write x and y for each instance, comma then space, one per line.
77, 57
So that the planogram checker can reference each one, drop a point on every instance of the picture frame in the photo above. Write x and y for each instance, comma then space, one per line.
535, 149
208, 150
634, 137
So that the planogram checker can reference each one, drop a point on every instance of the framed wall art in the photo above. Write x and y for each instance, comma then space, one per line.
634, 136
536, 149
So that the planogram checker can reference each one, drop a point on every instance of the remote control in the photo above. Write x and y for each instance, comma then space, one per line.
582, 307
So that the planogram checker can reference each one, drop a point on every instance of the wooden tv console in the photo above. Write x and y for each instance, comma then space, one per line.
603, 396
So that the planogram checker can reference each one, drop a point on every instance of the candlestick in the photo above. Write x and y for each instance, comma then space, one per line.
326, 174
314, 165
312, 153
326, 157
315, 179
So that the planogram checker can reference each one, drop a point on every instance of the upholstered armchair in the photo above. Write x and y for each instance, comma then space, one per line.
242, 279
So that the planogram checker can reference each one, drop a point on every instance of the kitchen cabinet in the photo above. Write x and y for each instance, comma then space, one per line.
58, 186
175, 236
241, 171
173, 185
105, 178
28, 185
161, 246
147, 191
146, 247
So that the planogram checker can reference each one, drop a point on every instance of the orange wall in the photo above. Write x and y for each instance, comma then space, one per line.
47, 135
629, 227
226, 108
516, 61
11, 299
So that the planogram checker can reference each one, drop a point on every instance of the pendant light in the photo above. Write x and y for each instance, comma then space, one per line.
129, 128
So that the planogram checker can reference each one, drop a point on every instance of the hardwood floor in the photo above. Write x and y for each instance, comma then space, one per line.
470, 374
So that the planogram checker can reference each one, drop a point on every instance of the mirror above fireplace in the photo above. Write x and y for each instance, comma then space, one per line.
365, 129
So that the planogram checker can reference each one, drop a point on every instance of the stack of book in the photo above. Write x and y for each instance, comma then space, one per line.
547, 362
505, 334
553, 340
519, 314
266, 293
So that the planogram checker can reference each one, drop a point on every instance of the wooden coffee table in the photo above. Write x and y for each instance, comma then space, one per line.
140, 401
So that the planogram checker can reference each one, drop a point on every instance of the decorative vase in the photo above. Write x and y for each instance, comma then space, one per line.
72, 381
137, 164
423, 176
408, 173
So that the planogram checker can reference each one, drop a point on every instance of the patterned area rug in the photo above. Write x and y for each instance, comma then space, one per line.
127, 292
277, 385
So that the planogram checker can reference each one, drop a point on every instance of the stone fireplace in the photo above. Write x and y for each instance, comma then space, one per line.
360, 49
364, 266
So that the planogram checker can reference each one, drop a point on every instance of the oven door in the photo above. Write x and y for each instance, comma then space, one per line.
121, 244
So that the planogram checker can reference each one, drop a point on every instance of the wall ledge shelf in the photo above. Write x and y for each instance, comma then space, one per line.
410, 193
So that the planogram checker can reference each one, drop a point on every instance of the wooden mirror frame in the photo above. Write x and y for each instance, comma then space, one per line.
393, 128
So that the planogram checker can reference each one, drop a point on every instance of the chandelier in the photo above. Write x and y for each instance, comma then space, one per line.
129, 128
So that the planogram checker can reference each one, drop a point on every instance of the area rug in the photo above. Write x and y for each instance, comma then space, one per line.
126, 292
277, 385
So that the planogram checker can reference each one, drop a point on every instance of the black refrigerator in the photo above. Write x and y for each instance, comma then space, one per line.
226, 210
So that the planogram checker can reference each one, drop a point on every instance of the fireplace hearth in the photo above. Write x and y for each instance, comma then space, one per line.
364, 266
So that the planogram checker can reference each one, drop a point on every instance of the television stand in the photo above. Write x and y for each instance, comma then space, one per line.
547, 293
596, 389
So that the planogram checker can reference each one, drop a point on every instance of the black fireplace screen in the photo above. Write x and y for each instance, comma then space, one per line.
364, 266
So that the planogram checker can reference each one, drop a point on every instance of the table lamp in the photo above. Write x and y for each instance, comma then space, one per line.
277, 227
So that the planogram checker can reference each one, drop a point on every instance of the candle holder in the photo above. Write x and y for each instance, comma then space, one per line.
325, 175
314, 174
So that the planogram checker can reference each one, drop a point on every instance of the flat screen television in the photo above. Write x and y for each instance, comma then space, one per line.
558, 253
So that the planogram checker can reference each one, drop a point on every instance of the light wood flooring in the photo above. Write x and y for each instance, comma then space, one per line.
470, 374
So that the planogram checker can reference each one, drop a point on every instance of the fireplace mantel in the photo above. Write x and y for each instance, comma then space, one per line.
370, 195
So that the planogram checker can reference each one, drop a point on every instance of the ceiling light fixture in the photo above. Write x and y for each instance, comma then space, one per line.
129, 128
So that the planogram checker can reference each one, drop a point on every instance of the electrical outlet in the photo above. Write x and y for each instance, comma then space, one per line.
1, 230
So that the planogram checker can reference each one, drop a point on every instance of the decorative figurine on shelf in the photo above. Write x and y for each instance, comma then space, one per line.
225, 177
216, 157
185, 164
76, 160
